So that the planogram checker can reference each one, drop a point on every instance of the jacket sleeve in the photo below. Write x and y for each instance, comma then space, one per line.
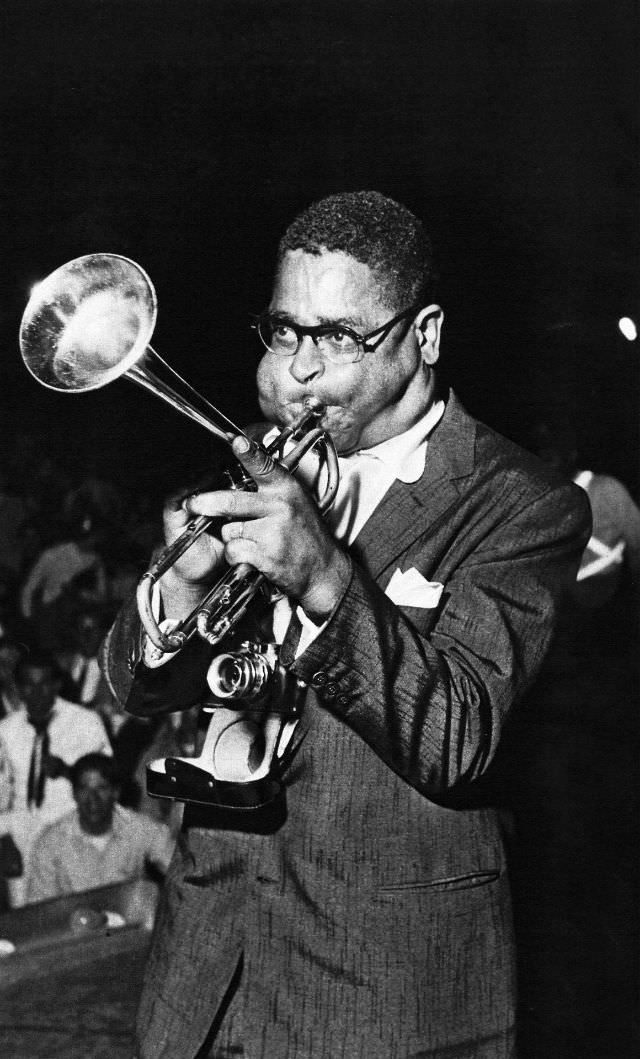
431, 700
433, 705
144, 692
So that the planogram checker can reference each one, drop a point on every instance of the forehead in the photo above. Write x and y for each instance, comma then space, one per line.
327, 286
92, 777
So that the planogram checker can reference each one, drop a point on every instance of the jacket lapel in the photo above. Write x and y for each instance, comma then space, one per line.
407, 510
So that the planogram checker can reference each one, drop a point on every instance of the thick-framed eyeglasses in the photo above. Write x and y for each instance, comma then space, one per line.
338, 343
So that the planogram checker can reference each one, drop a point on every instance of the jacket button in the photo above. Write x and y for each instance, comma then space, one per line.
329, 691
342, 700
319, 678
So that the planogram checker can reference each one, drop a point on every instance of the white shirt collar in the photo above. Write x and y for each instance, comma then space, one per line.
404, 455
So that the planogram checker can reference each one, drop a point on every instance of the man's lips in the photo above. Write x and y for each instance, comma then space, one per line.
295, 409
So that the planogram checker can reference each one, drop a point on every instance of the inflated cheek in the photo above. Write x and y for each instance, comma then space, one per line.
267, 385
262, 376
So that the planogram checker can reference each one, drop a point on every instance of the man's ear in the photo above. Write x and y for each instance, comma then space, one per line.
428, 326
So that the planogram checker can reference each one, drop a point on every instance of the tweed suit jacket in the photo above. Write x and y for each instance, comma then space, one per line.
375, 919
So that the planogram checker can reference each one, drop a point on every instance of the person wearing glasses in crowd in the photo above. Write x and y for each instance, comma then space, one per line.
363, 912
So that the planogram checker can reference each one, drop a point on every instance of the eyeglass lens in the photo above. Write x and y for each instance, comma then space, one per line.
282, 338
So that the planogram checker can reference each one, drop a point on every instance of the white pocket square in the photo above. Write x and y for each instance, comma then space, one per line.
409, 588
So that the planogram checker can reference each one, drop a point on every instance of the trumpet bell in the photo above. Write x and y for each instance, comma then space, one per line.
88, 323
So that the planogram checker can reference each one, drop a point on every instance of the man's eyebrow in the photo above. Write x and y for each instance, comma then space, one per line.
355, 324
341, 321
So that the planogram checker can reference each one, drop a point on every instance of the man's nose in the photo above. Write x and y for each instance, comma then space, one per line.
308, 362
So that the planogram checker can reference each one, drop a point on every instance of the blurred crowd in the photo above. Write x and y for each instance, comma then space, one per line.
73, 545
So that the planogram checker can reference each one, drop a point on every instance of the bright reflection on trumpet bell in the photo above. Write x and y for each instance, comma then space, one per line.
97, 337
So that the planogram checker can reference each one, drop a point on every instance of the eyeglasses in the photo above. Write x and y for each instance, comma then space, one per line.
338, 343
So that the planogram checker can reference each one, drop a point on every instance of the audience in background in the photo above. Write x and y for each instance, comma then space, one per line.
79, 660
99, 842
73, 545
42, 740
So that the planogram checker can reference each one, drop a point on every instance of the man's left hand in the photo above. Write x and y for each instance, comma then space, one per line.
280, 532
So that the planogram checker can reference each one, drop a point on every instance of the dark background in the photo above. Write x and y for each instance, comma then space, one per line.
186, 135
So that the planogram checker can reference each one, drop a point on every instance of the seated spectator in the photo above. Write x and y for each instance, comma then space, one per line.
78, 659
42, 740
64, 574
83, 681
99, 842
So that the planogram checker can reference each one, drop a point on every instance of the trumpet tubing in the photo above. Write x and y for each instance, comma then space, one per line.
90, 322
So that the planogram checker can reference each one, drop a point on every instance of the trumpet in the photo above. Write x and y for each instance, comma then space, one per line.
90, 322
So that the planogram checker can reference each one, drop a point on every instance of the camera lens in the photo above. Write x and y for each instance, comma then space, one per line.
238, 676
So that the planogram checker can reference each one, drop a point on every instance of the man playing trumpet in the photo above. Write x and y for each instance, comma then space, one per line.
369, 917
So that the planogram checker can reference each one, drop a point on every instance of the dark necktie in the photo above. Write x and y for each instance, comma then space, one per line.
291, 639
80, 678
37, 776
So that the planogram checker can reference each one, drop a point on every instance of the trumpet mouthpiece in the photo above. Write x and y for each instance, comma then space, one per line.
313, 406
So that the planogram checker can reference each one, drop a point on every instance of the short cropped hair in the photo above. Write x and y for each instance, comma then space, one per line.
95, 762
378, 232
39, 658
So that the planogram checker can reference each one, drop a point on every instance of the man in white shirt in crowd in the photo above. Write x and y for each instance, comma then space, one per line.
42, 741
99, 842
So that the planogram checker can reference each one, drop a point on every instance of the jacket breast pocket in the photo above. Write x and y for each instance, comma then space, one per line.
423, 619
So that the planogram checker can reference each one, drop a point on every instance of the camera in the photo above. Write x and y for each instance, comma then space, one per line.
243, 674
255, 705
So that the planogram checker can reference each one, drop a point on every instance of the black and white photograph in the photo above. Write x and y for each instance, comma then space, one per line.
319, 529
